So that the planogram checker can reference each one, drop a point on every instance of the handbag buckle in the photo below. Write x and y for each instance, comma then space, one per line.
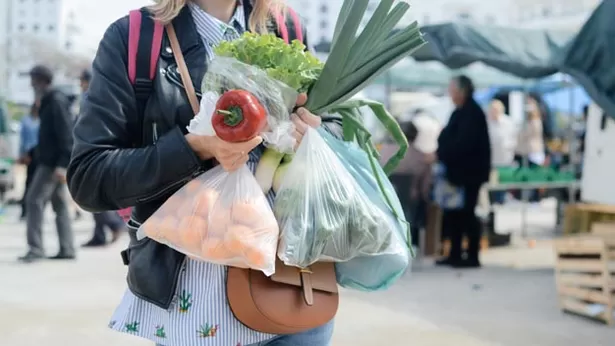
306, 285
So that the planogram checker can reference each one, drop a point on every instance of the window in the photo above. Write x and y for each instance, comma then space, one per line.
546, 12
426, 20
22, 27
51, 27
323, 24
68, 45
464, 16
324, 8
35, 27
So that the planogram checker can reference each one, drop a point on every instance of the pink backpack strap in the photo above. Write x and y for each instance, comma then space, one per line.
283, 28
135, 20
297, 24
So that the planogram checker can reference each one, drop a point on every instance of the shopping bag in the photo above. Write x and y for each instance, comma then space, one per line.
322, 213
224, 74
445, 194
219, 217
379, 271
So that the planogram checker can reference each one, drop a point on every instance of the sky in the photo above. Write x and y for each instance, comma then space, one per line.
96, 15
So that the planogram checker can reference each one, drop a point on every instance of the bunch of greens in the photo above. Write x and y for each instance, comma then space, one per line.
291, 64
355, 60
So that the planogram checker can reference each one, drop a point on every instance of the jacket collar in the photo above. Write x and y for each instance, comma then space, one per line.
186, 32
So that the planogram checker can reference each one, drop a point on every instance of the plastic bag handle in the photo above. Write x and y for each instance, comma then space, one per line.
183, 69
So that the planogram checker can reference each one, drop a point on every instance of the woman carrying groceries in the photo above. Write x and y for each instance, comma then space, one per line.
123, 157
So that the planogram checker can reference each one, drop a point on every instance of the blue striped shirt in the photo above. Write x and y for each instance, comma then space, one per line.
199, 314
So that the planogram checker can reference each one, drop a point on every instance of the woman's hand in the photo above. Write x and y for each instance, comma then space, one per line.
231, 156
303, 119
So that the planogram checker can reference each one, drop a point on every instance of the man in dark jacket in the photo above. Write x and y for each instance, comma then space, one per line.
49, 182
465, 151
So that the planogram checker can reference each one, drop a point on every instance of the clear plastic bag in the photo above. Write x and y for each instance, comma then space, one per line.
220, 217
378, 272
225, 74
322, 212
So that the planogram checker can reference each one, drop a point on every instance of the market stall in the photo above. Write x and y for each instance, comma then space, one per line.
532, 54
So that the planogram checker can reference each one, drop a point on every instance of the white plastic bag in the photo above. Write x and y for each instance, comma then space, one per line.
225, 74
220, 217
322, 212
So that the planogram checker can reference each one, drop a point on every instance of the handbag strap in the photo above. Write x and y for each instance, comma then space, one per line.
183, 69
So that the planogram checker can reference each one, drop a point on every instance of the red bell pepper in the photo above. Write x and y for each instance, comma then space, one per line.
239, 116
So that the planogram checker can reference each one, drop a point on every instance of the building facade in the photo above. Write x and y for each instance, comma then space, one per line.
37, 31
4, 36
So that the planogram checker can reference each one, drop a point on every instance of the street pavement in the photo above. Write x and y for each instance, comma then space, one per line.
510, 302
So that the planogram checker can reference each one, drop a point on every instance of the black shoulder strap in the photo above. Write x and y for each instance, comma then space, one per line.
143, 83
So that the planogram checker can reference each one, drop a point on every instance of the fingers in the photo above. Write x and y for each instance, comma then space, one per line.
301, 99
309, 118
232, 163
300, 125
239, 148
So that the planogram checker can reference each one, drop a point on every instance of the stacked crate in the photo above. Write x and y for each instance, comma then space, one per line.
585, 273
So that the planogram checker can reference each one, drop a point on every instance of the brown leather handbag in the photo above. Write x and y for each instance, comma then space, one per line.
290, 301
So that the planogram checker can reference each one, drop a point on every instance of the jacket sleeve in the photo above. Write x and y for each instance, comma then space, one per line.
456, 142
106, 172
62, 126
23, 133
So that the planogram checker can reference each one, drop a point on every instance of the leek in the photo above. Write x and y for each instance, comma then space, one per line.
266, 168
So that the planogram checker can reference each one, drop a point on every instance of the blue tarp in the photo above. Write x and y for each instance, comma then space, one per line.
587, 56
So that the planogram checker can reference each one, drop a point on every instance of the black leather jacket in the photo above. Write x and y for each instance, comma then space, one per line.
109, 172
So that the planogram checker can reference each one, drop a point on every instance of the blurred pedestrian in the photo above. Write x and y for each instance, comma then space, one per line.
503, 139
464, 151
28, 139
49, 182
531, 144
107, 219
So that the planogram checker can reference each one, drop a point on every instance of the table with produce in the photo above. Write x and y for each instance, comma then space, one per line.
333, 201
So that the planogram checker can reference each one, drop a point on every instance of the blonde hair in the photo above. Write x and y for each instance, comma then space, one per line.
166, 10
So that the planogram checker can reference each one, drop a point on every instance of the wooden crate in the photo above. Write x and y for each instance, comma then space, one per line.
603, 229
585, 276
579, 218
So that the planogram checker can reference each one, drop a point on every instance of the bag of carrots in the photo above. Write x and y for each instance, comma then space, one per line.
224, 217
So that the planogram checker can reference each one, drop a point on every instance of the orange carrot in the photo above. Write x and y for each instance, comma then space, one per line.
204, 202
246, 213
192, 186
219, 220
192, 230
237, 238
168, 229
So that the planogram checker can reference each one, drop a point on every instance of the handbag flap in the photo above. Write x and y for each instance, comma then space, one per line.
321, 276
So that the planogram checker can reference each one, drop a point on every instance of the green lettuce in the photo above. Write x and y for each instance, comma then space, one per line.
290, 64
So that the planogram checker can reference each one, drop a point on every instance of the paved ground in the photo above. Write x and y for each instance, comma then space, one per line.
510, 302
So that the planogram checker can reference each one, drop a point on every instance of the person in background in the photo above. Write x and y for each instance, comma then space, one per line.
403, 178
55, 143
105, 219
465, 151
531, 145
503, 139
28, 139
